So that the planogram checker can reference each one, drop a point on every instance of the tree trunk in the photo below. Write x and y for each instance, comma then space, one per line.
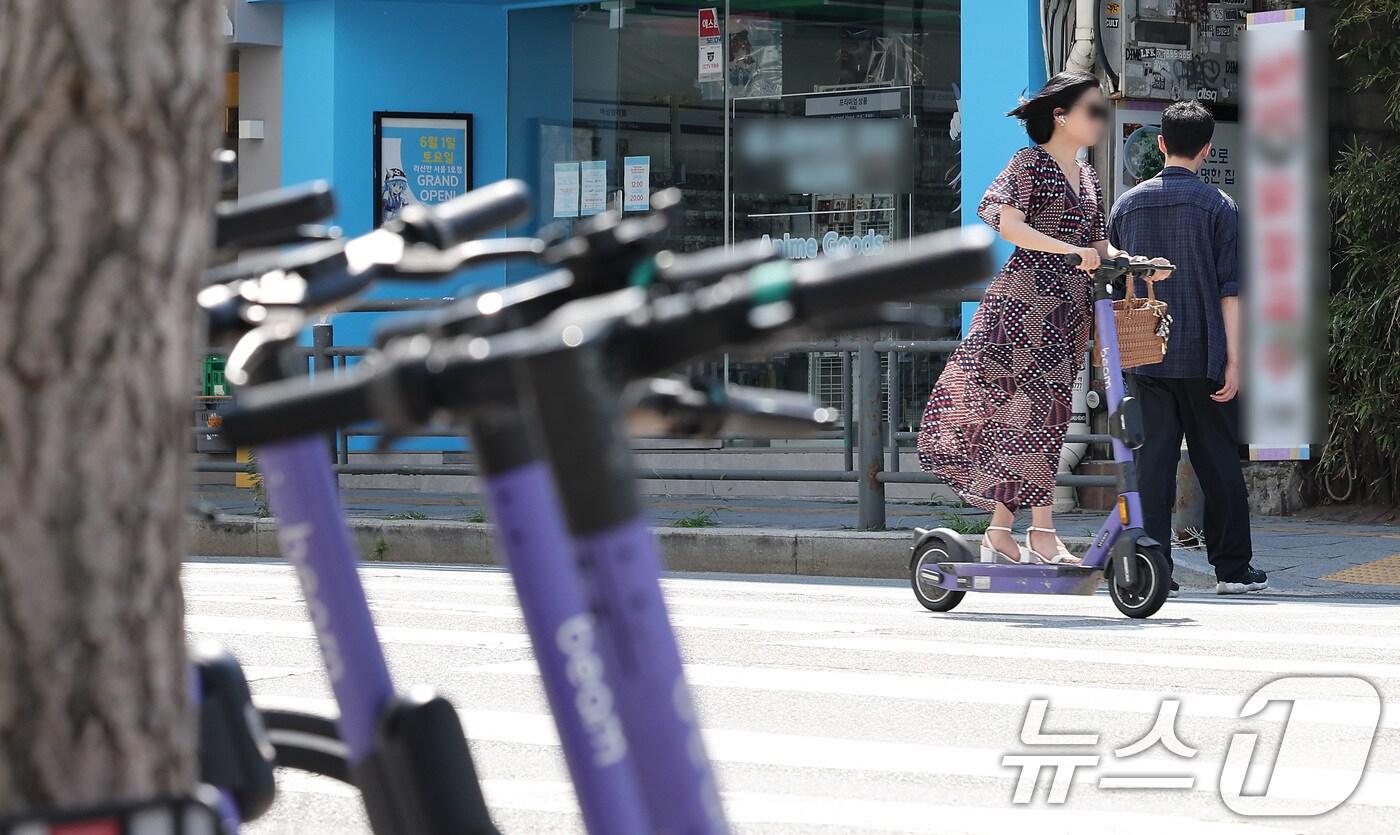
108, 117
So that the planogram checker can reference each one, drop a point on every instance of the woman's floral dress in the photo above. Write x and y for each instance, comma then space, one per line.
996, 420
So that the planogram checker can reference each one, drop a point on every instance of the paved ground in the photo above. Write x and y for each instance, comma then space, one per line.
1312, 553
841, 706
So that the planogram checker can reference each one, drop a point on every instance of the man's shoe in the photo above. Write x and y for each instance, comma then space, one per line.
1252, 580
1176, 589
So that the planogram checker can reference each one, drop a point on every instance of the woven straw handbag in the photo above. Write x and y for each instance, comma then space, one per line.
1143, 327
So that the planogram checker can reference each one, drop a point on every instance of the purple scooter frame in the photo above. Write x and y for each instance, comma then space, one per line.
625, 573
407, 755
577, 423
574, 659
1130, 501
311, 532
943, 566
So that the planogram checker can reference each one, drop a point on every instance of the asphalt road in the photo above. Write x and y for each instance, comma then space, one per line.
840, 707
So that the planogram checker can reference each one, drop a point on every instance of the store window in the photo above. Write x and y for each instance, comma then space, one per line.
720, 100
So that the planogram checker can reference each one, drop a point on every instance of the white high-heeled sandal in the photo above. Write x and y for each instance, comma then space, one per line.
992, 554
1061, 557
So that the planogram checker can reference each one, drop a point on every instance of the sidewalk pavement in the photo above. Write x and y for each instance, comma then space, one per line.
1331, 552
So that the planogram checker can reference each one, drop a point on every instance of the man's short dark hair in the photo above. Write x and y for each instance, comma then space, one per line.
1187, 127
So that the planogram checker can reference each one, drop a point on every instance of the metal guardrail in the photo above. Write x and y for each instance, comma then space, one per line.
870, 451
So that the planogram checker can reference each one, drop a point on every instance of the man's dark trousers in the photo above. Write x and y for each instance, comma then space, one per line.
1172, 408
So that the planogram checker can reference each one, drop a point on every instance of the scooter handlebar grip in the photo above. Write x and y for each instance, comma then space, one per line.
762, 413
928, 264
714, 264
472, 215
1073, 259
279, 211
294, 408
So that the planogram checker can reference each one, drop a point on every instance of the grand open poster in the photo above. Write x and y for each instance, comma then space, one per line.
420, 158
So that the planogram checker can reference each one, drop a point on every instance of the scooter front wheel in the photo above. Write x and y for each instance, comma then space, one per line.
931, 596
1151, 591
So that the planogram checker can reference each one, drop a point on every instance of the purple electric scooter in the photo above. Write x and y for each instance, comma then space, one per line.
406, 753
572, 632
574, 366
943, 567
556, 601
557, 598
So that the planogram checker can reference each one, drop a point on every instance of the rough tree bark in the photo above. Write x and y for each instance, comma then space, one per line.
108, 116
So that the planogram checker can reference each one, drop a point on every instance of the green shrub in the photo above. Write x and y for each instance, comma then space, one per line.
1364, 303
698, 519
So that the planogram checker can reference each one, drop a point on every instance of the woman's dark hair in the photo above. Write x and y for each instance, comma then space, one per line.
1059, 93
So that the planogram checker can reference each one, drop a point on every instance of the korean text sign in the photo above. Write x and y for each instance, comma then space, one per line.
419, 158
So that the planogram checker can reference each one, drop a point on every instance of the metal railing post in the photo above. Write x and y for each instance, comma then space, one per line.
322, 338
894, 408
342, 446
848, 415
870, 495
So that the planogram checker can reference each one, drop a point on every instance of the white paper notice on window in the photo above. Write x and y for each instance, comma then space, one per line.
636, 184
566, 189
593, 187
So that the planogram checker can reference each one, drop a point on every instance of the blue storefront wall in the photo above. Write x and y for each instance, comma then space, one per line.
1002, 59
345, 59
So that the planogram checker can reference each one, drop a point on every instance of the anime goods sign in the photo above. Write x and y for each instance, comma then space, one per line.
419, 158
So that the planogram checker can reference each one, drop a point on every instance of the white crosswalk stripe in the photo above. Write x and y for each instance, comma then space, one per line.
847, 708
834, 753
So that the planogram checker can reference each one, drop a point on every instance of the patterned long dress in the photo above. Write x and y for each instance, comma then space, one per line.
996, 420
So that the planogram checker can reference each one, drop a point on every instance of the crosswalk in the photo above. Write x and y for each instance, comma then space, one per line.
836, 706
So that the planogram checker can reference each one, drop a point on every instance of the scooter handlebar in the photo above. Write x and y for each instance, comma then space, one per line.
1121, 263
273, 213
292, 409
815, 290
928, 264
672, 408
462, 218
712, 265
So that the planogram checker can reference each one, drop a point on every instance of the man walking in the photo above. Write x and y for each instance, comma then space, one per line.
1192, 390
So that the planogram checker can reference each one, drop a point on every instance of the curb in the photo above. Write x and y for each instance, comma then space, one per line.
1192, 570
806, 553
731, 550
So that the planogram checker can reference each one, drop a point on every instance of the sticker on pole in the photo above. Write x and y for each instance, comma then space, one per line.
711, 46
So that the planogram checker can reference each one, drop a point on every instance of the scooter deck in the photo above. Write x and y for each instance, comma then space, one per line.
1013, 579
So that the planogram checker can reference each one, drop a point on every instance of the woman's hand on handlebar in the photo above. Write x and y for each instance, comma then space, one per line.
1088, 258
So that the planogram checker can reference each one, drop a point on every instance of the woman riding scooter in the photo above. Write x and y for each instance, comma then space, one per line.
996, 419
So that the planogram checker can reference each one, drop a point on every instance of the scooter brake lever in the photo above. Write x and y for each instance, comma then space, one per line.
258, 353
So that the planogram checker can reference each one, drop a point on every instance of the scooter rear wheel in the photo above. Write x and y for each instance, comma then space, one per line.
933, 598
1154, 589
